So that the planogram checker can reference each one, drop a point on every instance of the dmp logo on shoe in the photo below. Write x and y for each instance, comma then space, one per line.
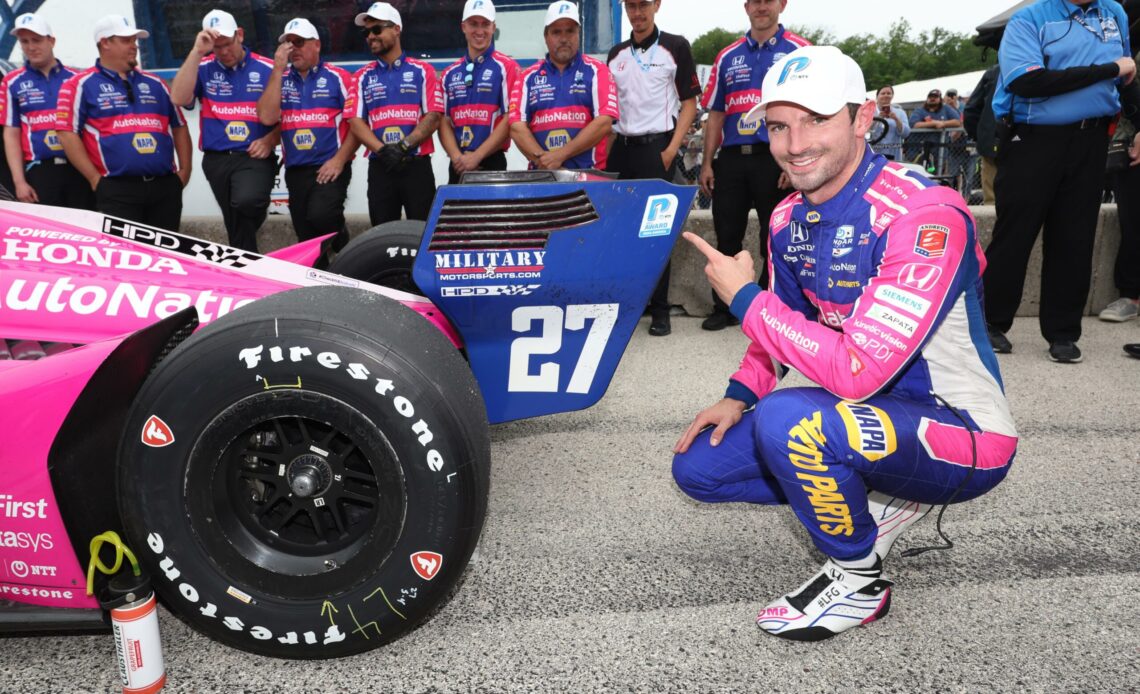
660, 211
869, 430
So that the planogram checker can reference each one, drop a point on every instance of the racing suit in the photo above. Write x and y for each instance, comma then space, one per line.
876, 296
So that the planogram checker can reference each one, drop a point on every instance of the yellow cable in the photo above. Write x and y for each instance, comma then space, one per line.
121, 550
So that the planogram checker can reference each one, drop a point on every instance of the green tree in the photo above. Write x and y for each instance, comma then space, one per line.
708, 44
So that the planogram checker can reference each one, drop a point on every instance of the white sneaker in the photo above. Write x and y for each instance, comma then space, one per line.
1121, 310
831, 602
893, 516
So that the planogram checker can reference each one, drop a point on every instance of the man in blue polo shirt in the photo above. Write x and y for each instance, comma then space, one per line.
743, 176
120, 130
28, 96
227, 78
395, 107
563, 107
476, 93
307, 96
1062, 66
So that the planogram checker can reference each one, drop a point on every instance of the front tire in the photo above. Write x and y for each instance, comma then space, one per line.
301, 484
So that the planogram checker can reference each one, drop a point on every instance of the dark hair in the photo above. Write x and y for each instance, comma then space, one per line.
853, 110
885, 86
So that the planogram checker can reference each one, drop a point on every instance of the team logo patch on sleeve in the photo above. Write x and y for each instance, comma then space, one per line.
931, 241
869, 430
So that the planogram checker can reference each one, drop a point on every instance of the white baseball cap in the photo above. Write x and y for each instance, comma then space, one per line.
33, 23
382, 11
299, 26
118, 25
562, 10
820, 78
220, 21
479, 8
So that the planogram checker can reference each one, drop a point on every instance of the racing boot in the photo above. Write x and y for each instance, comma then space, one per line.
832, 601
892, 516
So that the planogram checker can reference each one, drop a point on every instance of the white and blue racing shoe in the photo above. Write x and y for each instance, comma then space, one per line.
834, 600
892, 517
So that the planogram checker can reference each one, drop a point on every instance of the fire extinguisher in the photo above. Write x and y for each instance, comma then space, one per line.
130, 599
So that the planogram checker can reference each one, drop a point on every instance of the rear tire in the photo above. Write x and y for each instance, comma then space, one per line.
383, 255
300, 484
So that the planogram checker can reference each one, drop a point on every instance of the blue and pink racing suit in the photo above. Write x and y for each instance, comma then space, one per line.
876, 296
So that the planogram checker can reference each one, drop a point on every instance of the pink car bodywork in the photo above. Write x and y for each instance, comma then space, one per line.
87, 279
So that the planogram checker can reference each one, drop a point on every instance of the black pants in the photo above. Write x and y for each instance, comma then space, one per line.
151, 200
1127, 274
493, 162
644, 161
61, 185
411, 188
317, 208
743, 182
1049, 176
241, 185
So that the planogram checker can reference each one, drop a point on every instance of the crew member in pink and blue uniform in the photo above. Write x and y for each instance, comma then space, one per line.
239, 161
308, 97
743, 176
28, 96
121, 131
563, 107
876, 297
475, 130
395, 107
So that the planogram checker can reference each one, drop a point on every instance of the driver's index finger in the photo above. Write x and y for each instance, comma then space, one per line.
701, 245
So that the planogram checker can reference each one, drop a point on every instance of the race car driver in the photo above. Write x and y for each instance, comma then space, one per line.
876, 297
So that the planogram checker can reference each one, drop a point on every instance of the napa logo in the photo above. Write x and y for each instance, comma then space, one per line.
793, 66
51, 139
304, 139
145, 143
660, 211
392, 135
466, 137
557, 138
237, 131
869, 430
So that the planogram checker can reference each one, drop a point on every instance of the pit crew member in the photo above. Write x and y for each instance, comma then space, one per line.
239, 162
876, 297
308, 96
28, 96
563, 107
743, 176
396, 106
121, 131
475, 130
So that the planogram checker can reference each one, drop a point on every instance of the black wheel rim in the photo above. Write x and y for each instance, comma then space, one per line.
396, 278
295, 493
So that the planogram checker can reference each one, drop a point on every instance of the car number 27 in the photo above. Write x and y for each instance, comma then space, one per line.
553, 320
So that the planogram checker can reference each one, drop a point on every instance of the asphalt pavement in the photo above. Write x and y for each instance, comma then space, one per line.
595, 574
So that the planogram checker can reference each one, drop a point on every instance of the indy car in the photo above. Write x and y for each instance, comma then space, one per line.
298, 454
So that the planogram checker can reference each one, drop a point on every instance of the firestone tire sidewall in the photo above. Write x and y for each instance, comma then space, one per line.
387, 402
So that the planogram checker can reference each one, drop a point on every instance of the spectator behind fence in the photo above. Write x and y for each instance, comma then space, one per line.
1127, 187
563, 106
898, 127
744, 176
952, 101
121, 131
395, 108
475, 129
1058, 90
657, 89
308, 97
40, 171
927, 123
238, 157
978, 119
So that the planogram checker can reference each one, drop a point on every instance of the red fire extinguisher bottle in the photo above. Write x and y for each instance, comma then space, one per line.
134, 621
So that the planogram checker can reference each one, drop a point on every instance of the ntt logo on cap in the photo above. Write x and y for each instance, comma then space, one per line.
793, 66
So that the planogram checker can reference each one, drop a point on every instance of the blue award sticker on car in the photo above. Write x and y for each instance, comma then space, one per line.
660, 211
